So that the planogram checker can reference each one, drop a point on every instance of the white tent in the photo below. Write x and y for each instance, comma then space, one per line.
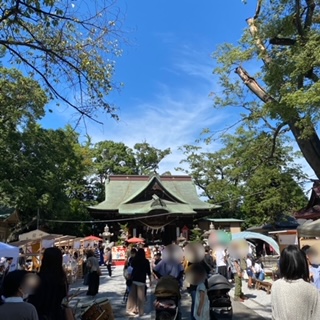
10, 252
309, 229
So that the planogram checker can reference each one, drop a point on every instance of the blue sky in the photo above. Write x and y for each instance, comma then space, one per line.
166, 68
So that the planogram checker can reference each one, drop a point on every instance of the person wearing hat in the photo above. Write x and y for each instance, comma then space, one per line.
314, 265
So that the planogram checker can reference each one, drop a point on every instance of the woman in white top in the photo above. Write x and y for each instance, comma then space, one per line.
292, 297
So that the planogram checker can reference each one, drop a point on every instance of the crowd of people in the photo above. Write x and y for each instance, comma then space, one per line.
40, 296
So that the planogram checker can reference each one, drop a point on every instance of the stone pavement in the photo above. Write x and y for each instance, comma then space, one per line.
259, 301
113, 289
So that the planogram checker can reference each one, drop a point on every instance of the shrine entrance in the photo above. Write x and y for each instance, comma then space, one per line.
165, 237
156, 231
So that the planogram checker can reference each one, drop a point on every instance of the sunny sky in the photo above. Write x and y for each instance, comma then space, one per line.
166, 69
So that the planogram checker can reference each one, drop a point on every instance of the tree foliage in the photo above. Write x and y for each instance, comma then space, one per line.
245, 180
282, 42
51, 170
111, 157
69, 46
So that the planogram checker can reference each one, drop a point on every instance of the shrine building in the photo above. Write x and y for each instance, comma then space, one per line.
158, 208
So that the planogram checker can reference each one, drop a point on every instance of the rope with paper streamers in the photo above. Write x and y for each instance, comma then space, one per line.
153, 228
111, 220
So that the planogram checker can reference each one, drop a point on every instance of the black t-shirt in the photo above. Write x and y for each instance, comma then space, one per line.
140, 270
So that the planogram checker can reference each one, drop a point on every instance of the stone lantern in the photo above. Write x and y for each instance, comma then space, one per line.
106, 235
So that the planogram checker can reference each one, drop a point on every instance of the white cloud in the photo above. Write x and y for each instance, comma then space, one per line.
171, 120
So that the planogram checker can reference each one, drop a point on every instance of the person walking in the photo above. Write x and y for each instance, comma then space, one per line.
292, 297
237, 268
108, 261
15, 289
221, 262
53, 286
137, 295
93, 274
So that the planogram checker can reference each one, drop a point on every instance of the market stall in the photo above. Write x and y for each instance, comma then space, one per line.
8, 251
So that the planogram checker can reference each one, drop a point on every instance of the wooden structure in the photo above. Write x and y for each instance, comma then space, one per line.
264, 285
227, 224
285, 238
160, 205
8, 219
312, 210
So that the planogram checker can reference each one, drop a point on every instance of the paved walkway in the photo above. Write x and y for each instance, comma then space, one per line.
259, 301
114, 288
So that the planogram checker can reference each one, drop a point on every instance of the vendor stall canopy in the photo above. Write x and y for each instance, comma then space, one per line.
8, 251
254, 235
309, 229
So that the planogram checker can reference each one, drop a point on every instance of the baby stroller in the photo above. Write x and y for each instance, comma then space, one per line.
167, 293
218, 293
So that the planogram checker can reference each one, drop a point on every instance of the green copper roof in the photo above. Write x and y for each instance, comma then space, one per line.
123, 195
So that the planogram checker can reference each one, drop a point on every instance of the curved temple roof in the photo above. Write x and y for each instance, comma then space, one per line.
138, 195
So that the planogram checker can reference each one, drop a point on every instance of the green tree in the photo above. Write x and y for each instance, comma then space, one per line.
111, 157
64, 45
245, 180
283, 42
148, 157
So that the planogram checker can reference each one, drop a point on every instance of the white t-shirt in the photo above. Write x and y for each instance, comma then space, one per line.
257, 267
249, 263
220, 258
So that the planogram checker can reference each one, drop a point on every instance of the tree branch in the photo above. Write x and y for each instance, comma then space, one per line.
312, 76
298, 19
258, 9
274, 139
8, 13
44, 78
254, 33
282, 41
309, 15
254, 86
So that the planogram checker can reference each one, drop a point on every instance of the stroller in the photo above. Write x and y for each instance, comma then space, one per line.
167, 293
218, 293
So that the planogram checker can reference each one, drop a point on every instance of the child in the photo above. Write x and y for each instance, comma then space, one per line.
201, 303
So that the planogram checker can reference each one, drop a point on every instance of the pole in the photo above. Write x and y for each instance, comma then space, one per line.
38, 218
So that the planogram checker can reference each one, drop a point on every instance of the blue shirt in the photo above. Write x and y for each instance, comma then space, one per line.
169, 268
315, 270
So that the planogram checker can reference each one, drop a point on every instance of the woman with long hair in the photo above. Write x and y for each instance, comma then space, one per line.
292, 296
53, 287
137, 296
